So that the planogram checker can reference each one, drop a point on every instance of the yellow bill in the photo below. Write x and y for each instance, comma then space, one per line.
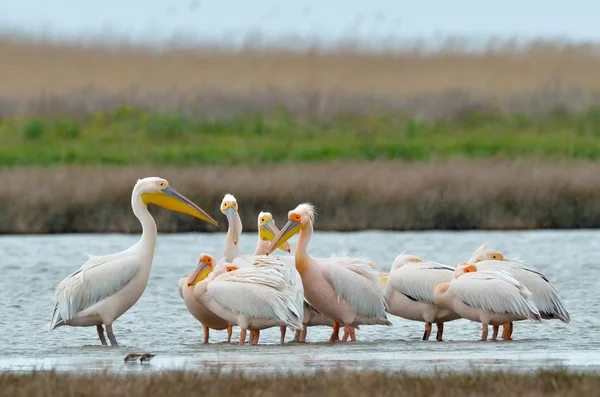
170, 199
268, 231
290, 228
200, 274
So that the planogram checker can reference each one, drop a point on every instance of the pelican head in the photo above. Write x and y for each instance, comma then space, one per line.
464, 268
403, 259
298, 218
267, 230
205, 264
157, 191
485, 253
229, 208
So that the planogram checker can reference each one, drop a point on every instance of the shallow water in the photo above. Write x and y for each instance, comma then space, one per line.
31, 266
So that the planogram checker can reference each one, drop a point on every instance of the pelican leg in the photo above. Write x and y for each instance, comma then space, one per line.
484, 332
507, 330
206, 331
349, 332
101, 334
297, 336
495, 333
283, 329
335, 334
427, 332
254, 335
303, 334
242, 337
111, 336
440, 332
229, 332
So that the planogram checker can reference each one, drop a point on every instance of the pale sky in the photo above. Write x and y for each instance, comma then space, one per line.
160, 20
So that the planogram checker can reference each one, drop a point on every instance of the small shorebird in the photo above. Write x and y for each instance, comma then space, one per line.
146, 357
131, 357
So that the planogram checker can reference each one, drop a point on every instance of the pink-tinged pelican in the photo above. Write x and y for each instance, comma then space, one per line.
267, 294
487, 296
409, 290
545, 295
200, 312
105, 287
344, 289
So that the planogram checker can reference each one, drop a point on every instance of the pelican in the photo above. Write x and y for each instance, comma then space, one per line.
486, 296
344, 289
105, 287
409, 292
200, 312
267, 294
266, 231
545, 295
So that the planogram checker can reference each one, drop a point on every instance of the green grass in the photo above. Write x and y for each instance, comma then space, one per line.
131, 136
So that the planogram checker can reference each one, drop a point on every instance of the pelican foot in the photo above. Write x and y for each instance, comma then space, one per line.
335, 334
243, 337
229, 332
495, 332
283, 330
206, 332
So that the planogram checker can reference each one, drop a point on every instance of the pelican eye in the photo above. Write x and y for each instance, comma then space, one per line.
296, 218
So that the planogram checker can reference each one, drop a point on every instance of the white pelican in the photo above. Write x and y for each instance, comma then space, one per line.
266, 229
545, 295
199, 311
409, 292
487, 296
344, 289
267, 294
105, 287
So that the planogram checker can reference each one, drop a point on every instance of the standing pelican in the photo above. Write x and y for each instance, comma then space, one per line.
545, 295
267, 294
487, 296
409, 292
105, 287
342, 288
198, 310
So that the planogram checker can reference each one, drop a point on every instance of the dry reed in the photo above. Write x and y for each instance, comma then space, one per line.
46, 78
349, 196
331, 383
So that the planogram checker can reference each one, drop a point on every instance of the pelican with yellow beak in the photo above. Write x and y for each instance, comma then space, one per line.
107, 286
266, 231
344, 289
200, 312
545, 294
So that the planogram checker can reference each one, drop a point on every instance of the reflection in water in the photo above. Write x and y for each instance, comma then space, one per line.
159, 323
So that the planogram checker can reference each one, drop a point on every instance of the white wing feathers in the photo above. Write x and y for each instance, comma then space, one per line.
267, 290
355, 281
545, 295
418, 280
495, 291
97, 279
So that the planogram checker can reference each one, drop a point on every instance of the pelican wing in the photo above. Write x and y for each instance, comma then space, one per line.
418, 280
263, 291
545, 294
356, 281
495, 291
96, 280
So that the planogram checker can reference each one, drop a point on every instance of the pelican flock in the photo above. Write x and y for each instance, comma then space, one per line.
273, 287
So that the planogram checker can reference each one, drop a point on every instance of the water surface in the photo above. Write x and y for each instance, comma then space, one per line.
31, 266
